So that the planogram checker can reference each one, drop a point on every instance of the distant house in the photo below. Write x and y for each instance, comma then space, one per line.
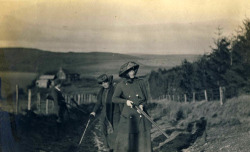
43, 80
63, 74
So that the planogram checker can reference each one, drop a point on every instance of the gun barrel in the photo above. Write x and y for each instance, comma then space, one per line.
151, 120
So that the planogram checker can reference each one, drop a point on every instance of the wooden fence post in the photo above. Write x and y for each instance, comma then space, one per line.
38, 103
185, 98
82, 98
205, 93
222, 95
90, 97
79, 99
17, 101
87, 99
29, 99
193, 96
47, 106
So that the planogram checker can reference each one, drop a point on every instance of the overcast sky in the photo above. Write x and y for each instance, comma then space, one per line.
122, 26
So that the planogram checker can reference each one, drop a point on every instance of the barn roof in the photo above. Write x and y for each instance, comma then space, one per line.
67, 71
47, 77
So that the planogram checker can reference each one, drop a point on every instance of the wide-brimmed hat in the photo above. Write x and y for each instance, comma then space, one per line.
54, 82
125, 68
105, 78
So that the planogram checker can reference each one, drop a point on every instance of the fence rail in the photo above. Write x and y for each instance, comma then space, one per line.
206, 95
46, 106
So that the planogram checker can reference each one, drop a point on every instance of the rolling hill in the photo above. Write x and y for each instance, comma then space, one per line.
34, 60
92, 63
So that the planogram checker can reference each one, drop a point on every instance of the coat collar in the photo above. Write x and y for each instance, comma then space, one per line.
128, 80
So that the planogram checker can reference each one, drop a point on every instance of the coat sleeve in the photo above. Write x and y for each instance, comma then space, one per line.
117, 96
99, 101
143, 86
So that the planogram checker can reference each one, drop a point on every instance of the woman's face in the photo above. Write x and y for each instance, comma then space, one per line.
105, 85
131, 74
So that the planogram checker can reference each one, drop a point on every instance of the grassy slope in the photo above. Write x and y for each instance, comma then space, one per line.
227, 126
34, 60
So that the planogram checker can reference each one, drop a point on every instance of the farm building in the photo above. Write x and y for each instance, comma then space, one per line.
63, 75
43, 80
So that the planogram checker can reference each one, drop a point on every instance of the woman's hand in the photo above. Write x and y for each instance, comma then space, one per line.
92, 113
130, 103
141, 108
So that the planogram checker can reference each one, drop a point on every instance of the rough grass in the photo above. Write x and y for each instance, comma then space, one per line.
225, 123
235, 109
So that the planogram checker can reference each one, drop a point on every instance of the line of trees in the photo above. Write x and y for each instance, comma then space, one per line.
227, 65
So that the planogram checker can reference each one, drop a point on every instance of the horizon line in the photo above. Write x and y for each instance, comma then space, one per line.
125, 53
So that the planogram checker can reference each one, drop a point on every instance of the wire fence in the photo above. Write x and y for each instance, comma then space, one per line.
43, 105
221, 93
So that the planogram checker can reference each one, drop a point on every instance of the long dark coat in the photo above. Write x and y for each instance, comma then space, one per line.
133, 129
109, 115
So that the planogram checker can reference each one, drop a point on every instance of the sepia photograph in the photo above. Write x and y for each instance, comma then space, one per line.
124, 76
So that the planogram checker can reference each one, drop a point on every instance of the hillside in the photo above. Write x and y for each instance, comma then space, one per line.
93, 63
202, 126
34, 60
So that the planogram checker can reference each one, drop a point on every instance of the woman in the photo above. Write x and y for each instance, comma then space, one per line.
108, 116
133, 129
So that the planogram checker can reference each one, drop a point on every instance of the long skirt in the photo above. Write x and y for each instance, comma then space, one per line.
133, 135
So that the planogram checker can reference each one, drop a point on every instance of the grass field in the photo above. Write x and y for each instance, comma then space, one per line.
227, 127
11, 79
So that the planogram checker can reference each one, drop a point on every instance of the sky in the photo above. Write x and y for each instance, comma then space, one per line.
120, 26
